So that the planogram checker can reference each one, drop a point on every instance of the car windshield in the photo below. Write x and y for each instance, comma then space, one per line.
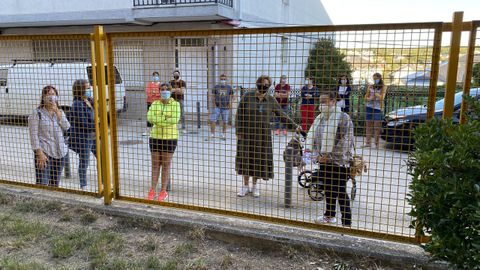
458, 98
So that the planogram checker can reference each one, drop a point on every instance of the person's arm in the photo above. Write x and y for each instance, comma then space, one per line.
169, 117
311, 134
240, 118
182, 88
279, 112
153, 112
367, 94
381, 96
64, 124
33, 129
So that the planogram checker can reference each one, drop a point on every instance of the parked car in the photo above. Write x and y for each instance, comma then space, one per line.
399, 124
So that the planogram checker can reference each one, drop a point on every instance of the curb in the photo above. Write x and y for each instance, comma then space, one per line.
246, 232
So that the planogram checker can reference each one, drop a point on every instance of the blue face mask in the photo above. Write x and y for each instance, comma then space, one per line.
156, 78
377, 81
89, 93
165, 94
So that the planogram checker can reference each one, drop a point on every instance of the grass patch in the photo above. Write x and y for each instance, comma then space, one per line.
153, 263
23, 230
226, 262
197, 264
134, 223
88, 217
150, 244
103, 243
10, 263
63, 246
196, 234
66, 217
184, 249
36, 206
171, 264
5, 199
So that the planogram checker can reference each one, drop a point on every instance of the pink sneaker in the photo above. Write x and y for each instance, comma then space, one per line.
277, 132
285, 132
162, 196
151, 194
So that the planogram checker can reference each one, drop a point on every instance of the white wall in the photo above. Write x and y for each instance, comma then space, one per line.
18, 7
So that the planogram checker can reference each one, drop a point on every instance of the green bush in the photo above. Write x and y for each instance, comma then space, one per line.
445, 189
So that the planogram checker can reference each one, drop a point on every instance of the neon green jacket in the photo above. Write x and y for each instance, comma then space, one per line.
164, 118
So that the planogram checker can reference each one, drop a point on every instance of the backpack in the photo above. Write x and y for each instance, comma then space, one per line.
297, 154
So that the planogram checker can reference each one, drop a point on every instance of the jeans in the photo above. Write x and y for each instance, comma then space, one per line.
50, 175
182, 113
84, 158
278, 121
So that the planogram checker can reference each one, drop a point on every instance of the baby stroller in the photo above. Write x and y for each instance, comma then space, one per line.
315, 184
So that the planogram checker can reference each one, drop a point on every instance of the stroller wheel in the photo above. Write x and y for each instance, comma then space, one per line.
305, 179
316, 192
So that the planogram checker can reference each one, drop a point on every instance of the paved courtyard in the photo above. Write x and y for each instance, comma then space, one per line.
203, 175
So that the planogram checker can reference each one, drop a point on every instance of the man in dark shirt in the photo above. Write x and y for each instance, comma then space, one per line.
282, 91
221, 97
179, 87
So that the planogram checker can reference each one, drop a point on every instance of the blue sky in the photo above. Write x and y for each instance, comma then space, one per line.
395, 11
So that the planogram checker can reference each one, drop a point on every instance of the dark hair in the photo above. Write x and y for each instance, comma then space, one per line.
223, 75
340, 79
165, 84
332, 95
380, 83
155, 73
45, 90
78, 88
262, 78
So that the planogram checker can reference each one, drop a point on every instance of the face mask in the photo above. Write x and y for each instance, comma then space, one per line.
176, 77
262, 89
223, 82
307, 82
377, 81
89, 93
324, 108
343, 81
51, 99
165, 94
155, 78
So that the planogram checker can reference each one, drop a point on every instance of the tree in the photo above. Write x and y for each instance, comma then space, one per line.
326, 63
476, 75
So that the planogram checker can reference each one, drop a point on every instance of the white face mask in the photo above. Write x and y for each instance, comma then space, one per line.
307, 82
51, 99
223, 82
343, 81
324, 108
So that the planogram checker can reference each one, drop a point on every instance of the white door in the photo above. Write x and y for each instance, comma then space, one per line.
192, 63
4, 101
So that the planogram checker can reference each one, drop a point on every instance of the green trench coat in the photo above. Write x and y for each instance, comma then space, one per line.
254, 137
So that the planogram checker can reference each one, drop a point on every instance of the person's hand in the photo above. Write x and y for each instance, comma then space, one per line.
57, 111
42, 159
322, 158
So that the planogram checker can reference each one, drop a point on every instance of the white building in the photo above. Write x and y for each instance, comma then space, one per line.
201, 59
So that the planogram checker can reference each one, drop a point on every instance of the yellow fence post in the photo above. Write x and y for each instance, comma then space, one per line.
453, 64
113, 116
468, 70
96, 114
99, 39
434, 71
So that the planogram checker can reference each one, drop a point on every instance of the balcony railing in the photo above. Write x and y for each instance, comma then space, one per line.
146, 3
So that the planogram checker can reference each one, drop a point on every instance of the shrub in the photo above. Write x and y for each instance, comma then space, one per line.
445, 189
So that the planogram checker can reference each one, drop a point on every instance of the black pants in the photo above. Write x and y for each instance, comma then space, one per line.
148, 108
335, 183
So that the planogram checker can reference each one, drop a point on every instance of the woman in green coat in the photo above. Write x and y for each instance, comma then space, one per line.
254, 137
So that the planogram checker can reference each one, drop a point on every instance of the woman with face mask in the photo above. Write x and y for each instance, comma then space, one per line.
344, 89
82, 132
47, 125
309, 94
152, 93
254, 157
331, 139
374, 105
164, 114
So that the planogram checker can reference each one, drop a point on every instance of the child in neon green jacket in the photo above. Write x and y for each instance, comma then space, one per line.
164, 114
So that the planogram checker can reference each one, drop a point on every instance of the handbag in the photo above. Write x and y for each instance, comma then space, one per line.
357, 166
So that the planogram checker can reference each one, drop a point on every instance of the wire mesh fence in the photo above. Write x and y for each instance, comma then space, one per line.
212, 120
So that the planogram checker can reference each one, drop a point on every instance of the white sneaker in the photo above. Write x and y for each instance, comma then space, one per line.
145, 134
184, 131
324, 219
256, 190
243, 191
222, 137
83, 188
